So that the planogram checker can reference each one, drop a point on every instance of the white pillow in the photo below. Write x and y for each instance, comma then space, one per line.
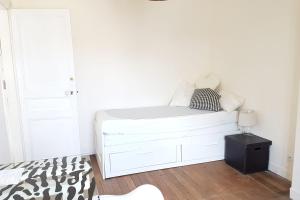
183, 95
211, 81
230, 102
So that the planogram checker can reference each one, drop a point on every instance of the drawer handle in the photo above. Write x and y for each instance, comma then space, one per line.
257, 148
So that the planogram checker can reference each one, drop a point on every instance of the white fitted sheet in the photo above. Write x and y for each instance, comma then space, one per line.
163, 120
111, 140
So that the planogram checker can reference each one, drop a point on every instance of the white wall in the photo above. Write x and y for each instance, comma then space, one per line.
133, 53
254, 51
5, 3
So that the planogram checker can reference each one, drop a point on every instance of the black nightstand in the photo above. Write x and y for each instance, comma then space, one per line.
247, 153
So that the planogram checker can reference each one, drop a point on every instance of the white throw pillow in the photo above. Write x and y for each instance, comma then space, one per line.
230, 102
210, 81
183, 95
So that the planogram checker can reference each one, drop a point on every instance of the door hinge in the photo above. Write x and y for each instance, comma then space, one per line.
4, 84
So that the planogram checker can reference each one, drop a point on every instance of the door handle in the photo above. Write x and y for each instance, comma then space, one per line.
69, 93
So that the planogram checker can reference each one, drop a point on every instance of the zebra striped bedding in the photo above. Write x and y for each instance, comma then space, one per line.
59, 178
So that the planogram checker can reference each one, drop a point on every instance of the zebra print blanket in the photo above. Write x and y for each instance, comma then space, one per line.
59, 178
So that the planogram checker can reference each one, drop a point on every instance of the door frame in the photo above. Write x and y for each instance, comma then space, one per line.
3, 95
295, 188
10, 94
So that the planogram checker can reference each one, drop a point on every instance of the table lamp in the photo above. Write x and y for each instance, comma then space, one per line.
247, 119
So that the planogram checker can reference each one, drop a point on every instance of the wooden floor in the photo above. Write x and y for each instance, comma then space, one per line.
209, 181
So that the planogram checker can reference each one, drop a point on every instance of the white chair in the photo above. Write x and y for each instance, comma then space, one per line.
144, 192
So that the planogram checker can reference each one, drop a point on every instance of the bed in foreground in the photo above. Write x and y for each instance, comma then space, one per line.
143, 139
49, 179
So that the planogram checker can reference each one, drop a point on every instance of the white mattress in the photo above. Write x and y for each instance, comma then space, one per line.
162, 120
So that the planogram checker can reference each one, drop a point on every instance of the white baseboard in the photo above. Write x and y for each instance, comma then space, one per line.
295, 195
277, 169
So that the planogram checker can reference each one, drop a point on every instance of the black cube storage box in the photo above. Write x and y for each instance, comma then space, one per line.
247, 153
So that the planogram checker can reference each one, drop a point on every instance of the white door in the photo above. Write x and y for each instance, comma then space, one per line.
43, 52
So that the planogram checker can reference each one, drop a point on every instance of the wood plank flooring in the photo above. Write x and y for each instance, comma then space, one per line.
209, 181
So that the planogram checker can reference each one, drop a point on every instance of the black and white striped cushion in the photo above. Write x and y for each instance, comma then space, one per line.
206, 99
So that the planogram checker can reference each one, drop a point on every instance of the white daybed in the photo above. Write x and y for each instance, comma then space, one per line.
142, 139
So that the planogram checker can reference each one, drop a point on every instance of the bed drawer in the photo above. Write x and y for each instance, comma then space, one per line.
203, 153
142, 157
203, 148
